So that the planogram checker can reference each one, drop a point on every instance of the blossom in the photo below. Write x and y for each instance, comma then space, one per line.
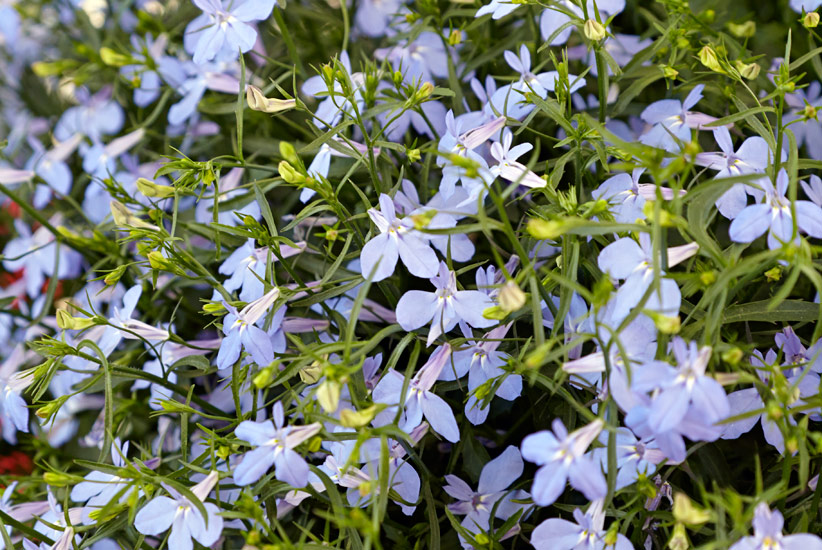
625, 259
462, 143
588, 533
561, 458
553, 18
183, 517
492, 494
223, 27
673, 120
419, 401
242, 333
445, 307
768, 535
626, 197
275, 446
397, 239
776, 217
507, 165
753, 156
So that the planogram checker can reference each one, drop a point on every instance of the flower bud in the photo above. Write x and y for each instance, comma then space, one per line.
743, 30
669, 72
733, 356
67, 322
328, 395
707, 56
289, 173
594, 30
258, 102
679, 540
115, 275
774, 274
811, 20
511, 297
289, 153
686, 512
749, 70
311, 373
455, 38
153, 190
545, 229
413, 155
809, 112
357, 419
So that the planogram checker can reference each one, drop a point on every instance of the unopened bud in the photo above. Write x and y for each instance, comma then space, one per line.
811, 20
413, 155
732, 356
743, 30
455, 38
258, 102
328, 395
289, 153
594, 30
679, 539
707, 56
115, 275
67, 322
669, 72
774, 274
809, 112
511, 297
686, 512
545, 229
424, 92
311, 373
289, 173
357, 419
749, 70
154, 190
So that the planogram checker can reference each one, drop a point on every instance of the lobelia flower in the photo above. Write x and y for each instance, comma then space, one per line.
14, 412
775, 216
182, 516
191, 81
462, 143
492, 495
397, 240
804, 5
443, 308
100, 161
374, 16
635, 457
418, 401
223, 28
241, 332
51, 167
625, 259
61, 533
507, 166
682, 388
626, 197
752, 157
768, 535
509, 100
442, 214
275, 446
421, 60
483, 363
673, 121
40, 256
588, 533
809, 131
146, 81
96, 116
246, 267
561, 458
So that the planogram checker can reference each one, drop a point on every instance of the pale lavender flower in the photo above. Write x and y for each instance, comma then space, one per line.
398, 239
552, 18
588, 533
461, 142
507, 166
492, 495
182, 516
561, 458
673, 121
768, 535
775, 216
223, 29
443, 308
241, 332
275, 447
418, 401
627, 197
752, 157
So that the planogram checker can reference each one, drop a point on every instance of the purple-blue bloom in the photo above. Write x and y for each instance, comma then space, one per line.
768, 535
275, 446
223, 30
443, 308
561, 458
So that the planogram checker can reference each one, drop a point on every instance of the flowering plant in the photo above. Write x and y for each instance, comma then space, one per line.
410, 274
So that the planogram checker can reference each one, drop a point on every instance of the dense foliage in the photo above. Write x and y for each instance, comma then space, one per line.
410, 274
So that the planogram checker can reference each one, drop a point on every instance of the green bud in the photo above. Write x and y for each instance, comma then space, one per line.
687, 512
289, 173
311, 373
594, 30
114, 59
707, 56
732, 356
154, 190
811, 20
67, 322
743, 30
115, 275
289, 153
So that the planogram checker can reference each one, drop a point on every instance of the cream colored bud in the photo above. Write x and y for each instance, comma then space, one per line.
328, 395
594, 30
258, 102
811, 20
511, 297
154, 190
707, 56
